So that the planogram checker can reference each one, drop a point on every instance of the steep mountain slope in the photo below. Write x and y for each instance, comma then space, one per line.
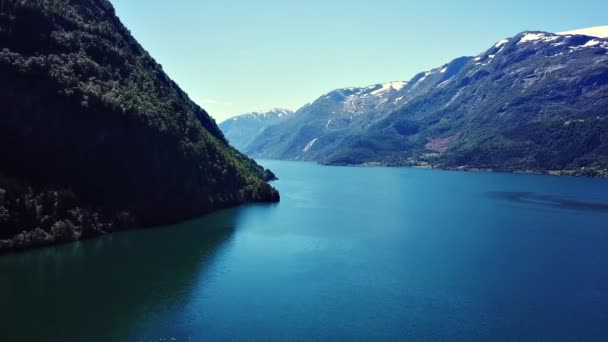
242, 129
536, 101
342, 114
95, 137
332, 112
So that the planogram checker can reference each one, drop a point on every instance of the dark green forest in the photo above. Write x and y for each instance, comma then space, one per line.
95, 137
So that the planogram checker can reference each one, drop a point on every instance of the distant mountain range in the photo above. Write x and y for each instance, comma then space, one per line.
243, 129
537, 101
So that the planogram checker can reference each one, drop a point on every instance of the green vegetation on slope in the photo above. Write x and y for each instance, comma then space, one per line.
538, 104
91, 124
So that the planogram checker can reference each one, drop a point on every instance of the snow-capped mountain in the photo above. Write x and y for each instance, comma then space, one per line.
537, 100
355, 101
241, 130
268, 114
598, 31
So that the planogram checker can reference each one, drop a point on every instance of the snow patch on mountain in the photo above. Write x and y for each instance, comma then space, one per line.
310, 145
421, 80
537, 37
456, 96
265, 114
278, 111
531, 37
597, 31
590, 44
501, 43
444, 83
386, 87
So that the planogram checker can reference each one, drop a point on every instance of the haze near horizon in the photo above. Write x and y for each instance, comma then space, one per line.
242, 57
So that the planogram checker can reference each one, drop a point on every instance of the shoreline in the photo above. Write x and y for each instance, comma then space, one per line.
39, 239
584, 173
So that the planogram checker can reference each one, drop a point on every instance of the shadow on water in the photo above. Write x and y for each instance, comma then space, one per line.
549, 201
100, 289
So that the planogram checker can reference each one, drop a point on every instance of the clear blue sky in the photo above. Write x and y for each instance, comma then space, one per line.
238, 56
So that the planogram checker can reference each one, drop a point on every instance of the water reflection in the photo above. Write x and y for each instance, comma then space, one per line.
549, 201
114, 282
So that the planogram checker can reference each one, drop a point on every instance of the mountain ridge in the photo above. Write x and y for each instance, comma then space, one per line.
455, 116
245, 127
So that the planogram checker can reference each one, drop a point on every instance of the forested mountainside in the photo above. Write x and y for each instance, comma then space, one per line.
95, 137
242, 129
537, 101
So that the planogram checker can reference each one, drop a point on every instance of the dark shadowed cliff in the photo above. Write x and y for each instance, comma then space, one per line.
95, 137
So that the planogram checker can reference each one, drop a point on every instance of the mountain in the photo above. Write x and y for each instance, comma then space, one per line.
95, 137
598, 32
242, 129
335, 111
537, 101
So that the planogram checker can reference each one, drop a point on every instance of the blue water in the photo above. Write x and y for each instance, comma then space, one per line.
348, 254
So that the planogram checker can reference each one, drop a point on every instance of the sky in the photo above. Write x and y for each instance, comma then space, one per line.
239, 56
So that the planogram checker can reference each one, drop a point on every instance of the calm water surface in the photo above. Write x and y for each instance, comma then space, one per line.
349, 253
